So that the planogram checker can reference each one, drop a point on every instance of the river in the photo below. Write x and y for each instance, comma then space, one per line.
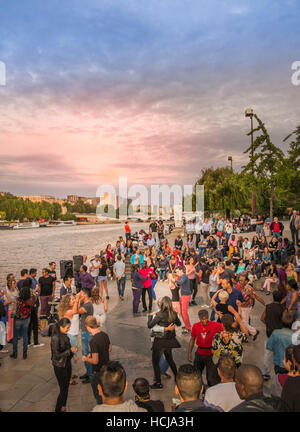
37, 247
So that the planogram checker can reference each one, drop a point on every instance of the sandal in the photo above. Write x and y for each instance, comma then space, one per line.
73, 382
74, 377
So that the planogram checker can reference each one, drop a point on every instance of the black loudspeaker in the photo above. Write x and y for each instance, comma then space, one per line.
78, 261
66, 268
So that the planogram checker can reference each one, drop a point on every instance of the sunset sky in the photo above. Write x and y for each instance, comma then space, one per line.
154, 90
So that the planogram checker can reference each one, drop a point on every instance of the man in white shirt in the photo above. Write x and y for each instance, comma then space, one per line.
190, 228
198, 228
94, 267
151, 242
223, 396
206, 228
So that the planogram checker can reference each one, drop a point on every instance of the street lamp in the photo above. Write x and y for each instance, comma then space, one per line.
249, 113
230, 159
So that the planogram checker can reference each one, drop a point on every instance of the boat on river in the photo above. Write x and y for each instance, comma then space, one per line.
26, 225
61, 223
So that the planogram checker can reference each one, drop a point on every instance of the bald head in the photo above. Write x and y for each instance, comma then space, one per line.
248, 380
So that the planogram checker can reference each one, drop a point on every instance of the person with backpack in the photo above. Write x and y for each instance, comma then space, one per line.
25, 302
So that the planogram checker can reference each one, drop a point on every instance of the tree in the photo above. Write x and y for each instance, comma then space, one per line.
265, 163
223, 190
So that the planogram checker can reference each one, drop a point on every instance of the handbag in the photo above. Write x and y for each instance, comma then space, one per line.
219, 233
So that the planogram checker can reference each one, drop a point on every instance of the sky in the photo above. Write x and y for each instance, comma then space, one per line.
154, 90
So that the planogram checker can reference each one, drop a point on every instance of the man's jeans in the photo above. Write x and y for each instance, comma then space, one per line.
201, 251
163, 365
163, 274
20, 330
121, 286
276, 234
85, 339
268, 360
74, 343
94, 384
213, 313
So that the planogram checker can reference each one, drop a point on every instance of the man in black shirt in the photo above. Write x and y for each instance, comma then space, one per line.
271, 317
46, 289
141, 390
100, 348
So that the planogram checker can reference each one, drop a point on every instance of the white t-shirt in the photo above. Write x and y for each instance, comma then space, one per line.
98, 309
223, 396
95, 263
74, 329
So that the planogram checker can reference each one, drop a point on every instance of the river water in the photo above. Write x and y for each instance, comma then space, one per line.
37, 247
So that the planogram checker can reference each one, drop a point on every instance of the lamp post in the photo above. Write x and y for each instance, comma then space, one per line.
249, 113
230, 159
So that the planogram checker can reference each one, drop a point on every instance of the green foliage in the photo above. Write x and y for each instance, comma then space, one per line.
274, 177
224, 190
80, 207
19, 209
67, 216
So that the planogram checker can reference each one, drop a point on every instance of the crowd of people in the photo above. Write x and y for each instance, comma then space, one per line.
210, 260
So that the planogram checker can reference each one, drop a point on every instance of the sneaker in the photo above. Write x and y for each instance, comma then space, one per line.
14, 355
156, 386
25, 355
82, 377
166, 375
255, 336
86, 381
144, 310
4, 351
205, 306
38, 345
266, 377
184, 332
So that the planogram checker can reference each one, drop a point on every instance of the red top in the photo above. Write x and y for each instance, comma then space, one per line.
204, 336
127, 228
276, 227
145, 273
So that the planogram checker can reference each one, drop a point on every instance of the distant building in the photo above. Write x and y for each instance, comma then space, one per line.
39, 198
73, 198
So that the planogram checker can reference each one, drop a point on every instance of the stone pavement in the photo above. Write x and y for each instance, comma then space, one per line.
30, 385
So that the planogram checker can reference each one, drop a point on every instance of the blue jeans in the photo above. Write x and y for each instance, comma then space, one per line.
121, 286
153, 283
94, 384
73, 342
283, 256
163, 365
276, 234
85, 339
213, 313
20, 330
163, 274
201, 251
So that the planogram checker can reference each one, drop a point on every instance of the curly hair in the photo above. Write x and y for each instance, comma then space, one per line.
64, 305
